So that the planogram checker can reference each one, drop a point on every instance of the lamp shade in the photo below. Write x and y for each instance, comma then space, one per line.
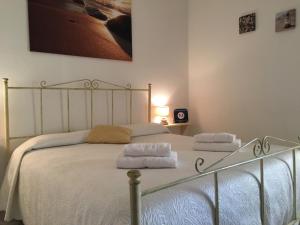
162, 111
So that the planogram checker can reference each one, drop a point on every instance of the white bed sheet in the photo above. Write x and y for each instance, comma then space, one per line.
80, 185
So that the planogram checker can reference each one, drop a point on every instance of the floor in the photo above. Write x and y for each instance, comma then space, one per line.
10, 223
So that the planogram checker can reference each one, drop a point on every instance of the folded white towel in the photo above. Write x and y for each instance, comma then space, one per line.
148, 149
218, 147
147, 162
215, 138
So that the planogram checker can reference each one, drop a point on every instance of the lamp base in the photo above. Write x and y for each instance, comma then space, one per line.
164, 121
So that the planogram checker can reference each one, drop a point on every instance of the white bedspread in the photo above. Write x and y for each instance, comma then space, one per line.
79, 185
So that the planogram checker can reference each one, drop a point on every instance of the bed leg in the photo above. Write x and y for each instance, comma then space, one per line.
135, 196
294, 185
262, 193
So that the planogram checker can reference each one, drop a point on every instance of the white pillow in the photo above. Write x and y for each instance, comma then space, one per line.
144, 129
60, 139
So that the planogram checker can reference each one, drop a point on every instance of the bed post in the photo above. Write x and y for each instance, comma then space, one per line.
149, 102
135, 196
6, 114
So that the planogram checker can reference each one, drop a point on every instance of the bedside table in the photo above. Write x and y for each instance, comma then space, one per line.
182, 127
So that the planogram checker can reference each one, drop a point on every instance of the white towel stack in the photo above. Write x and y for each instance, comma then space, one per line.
147, 155
223, 142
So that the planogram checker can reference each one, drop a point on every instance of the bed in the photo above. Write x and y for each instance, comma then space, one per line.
59, 179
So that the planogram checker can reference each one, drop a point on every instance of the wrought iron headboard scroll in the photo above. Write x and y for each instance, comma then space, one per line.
86, 85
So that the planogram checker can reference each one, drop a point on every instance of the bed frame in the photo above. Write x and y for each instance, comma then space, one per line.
261, 148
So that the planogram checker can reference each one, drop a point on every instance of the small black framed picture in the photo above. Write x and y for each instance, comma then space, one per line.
181, 116
247, 23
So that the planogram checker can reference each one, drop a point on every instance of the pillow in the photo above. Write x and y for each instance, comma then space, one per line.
105, 134
146, 129
56, 140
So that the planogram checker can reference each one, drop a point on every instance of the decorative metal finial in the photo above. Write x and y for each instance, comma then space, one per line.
134, 176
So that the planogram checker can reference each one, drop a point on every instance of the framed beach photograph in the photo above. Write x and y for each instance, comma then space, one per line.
286, 20
89, 28
247, 23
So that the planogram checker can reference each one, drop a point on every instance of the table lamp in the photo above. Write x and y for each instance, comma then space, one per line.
163, 113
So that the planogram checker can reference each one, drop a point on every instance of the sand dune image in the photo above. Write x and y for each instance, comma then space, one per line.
90, 28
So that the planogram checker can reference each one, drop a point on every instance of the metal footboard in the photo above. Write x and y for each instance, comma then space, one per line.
261, 150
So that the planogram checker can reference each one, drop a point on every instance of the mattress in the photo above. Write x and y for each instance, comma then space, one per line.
79, 184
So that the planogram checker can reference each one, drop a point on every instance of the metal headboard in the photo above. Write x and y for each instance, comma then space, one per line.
85, 85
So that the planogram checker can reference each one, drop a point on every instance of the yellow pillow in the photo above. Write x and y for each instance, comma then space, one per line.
104, 134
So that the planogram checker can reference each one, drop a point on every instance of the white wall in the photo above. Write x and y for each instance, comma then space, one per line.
159, 48
247, 84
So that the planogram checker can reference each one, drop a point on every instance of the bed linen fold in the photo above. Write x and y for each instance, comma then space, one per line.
148, 149
226, 147
151, 162
8, 200
215, 138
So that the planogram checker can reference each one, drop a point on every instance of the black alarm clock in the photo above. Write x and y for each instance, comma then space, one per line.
181, 116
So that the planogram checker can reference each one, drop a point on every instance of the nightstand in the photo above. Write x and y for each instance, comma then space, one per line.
181, 126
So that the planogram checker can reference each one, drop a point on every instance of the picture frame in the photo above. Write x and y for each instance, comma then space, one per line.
247, 23
97, 29
285, 20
